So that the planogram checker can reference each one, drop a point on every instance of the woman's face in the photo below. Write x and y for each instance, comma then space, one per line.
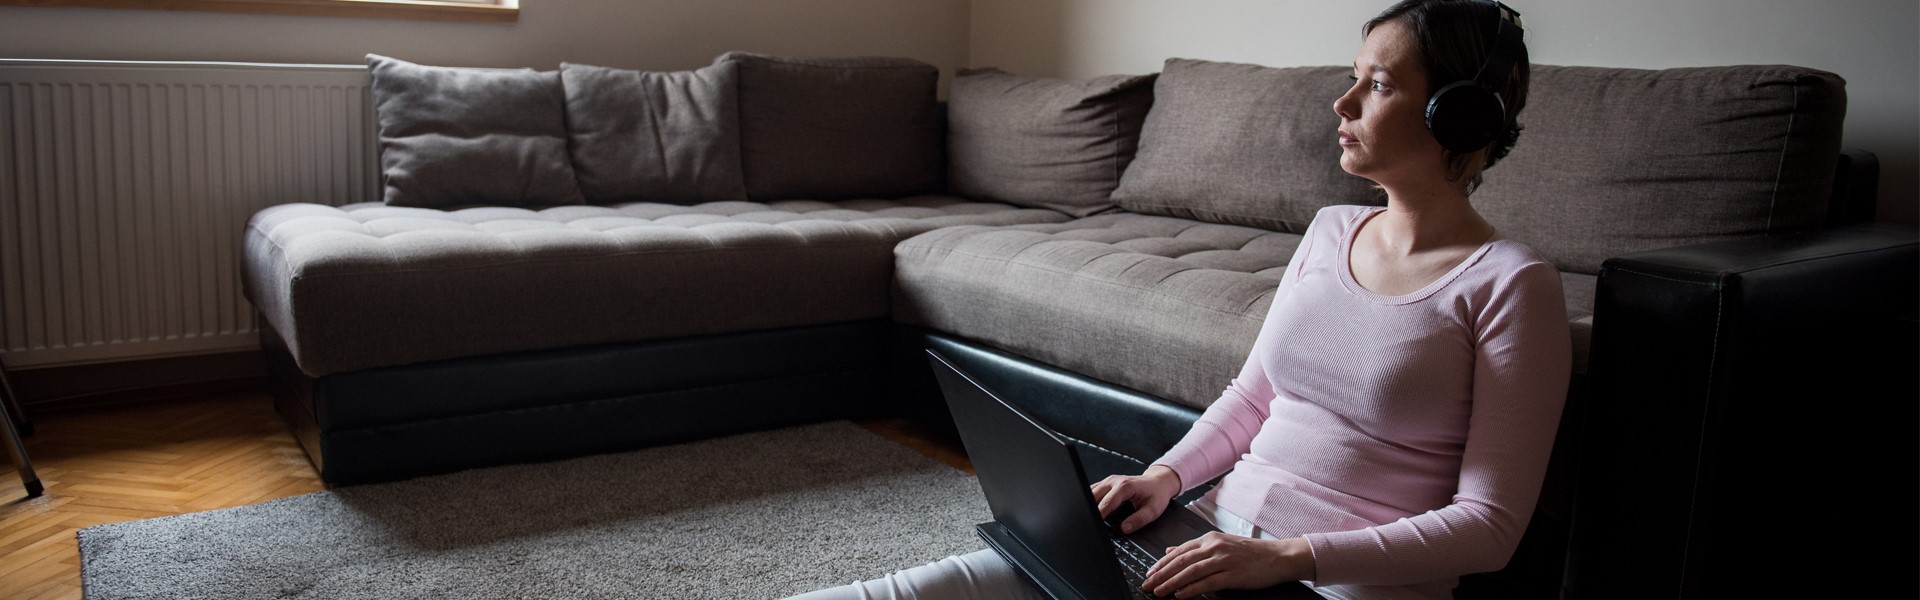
1383, 130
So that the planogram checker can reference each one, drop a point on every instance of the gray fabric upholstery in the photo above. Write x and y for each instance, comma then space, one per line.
368, 285
1166, 306
1047, 143
1613, 161
839, 128
453, 136
642, 136
1244, 145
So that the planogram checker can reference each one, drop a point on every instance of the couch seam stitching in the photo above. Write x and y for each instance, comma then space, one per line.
1663, 278
1773, 205
593, 258
1713, 360
1097, 447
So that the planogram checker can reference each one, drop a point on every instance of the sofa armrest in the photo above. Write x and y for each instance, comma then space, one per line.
1727, 377
1856, 188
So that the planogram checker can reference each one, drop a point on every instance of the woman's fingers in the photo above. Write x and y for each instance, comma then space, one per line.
1109, 493
1196, 565
1175, 558
1103, 494
1213, 582
1144, 513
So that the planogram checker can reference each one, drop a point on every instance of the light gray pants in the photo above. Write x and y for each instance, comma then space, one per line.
984, 575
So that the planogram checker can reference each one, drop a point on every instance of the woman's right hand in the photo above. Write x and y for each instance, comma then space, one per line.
1150, 493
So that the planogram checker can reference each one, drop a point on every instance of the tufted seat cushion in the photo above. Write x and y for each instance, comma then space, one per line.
369, 285
1163, 305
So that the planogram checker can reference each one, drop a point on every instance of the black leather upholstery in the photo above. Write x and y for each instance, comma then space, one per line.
1116, 429
519, 380
1856, 188
397, 422
1733, 382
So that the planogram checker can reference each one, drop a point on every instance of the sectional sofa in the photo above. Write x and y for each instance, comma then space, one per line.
594, 259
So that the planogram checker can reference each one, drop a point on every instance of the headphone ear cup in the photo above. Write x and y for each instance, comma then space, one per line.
1465, 117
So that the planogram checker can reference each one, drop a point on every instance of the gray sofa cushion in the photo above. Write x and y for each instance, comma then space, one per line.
1244, 145
1162, 305
641, 136
1166, 306
369, 285
453, 136
1614, 161
838, 128
1048, 143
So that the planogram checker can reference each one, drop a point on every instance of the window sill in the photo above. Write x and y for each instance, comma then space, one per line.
364, 9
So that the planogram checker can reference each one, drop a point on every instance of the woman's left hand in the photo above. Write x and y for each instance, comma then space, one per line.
1219, 561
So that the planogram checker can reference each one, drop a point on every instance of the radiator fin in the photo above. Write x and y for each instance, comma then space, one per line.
125, 189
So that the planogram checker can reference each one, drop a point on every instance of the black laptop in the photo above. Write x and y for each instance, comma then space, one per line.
1044, 519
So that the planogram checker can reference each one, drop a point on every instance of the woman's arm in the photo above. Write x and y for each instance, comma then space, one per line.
1521, 366
1225, 431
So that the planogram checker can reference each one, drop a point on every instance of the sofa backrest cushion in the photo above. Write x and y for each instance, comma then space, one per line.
1612, 161
1243, 145
1044, 143
839, 127
454, 136
642, 136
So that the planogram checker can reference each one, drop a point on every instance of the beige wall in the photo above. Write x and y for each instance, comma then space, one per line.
1874, 44
641, 34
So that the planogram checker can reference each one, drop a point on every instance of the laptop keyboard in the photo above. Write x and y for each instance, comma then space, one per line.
1134, 564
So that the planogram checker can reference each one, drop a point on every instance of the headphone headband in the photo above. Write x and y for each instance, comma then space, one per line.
1507, 39
1467, 115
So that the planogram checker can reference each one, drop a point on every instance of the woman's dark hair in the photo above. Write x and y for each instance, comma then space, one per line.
1454, 38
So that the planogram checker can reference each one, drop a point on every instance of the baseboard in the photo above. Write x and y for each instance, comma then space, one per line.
82, 386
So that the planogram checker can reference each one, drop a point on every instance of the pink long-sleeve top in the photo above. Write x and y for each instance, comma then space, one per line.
1404, 436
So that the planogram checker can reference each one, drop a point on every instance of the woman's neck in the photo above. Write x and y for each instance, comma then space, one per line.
1428, 217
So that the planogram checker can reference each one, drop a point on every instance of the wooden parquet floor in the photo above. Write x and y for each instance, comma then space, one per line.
160, 458
138, 461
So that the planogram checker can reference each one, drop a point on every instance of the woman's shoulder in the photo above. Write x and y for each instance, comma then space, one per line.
1515, 256
1508, 266
1336, 220
1343, 212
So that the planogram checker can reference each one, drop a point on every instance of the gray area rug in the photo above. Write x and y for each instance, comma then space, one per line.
760, 515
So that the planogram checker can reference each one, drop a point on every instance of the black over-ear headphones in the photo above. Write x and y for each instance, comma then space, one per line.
1468, 115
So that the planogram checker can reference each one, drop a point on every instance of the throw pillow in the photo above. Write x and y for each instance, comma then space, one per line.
454, 136
1243, 145
839, 127
656, 137
1046, 143
1615, 161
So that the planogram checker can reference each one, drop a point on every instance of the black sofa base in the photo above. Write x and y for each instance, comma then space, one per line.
412, 420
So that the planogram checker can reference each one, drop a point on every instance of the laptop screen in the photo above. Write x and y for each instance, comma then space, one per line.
1032, 482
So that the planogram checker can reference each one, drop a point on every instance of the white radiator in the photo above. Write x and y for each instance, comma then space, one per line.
125, 187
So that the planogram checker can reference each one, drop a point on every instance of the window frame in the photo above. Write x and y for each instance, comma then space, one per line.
480, 11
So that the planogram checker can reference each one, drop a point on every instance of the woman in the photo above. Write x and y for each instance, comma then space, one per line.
1390, 429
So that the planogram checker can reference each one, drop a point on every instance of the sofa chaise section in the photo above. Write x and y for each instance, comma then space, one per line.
408, 334
369, 285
